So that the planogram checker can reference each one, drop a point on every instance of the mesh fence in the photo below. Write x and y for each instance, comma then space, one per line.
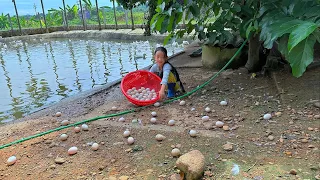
47, 13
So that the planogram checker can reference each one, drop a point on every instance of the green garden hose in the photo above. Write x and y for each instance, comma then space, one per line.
127, 111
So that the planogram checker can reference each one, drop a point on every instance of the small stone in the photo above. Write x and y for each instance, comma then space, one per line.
293, 172
317, 177
316, 104
310, 128
226, 128
227, 147
59, 160
123, 177
58, 114
304, 140
311, 146
271, 138
317, 116
52, 166
278, 114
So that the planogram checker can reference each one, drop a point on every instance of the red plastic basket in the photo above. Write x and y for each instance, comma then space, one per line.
141, 78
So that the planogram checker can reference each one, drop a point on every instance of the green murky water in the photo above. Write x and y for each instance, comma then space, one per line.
43, 71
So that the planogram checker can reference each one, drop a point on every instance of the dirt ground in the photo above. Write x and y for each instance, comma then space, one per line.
284, 147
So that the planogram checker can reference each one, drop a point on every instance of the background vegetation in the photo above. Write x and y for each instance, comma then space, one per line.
54, 17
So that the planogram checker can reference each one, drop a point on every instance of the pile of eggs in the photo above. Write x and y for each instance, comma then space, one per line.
142, 94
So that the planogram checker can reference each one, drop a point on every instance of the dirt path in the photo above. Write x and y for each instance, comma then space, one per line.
263, 149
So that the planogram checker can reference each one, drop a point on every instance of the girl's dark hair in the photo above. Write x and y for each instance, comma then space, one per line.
162, 49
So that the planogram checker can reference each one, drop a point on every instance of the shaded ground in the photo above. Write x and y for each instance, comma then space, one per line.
263, 149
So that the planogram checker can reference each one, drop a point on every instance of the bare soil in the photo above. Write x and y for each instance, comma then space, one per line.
263, 149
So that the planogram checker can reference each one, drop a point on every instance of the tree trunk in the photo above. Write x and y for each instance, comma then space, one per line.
132, 22
152, 11
253, 64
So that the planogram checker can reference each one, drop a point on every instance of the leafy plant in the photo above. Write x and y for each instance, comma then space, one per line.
295, 24
296, 27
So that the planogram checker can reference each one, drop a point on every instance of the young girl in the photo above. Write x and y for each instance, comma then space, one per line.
168, 74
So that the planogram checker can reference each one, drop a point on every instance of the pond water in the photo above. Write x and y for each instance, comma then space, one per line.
39, 72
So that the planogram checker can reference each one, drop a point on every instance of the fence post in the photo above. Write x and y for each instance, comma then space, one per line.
126, 13
9, 19
82, 15
44, 17
98, 15
15, 7
65, 15
115, 15
132, 19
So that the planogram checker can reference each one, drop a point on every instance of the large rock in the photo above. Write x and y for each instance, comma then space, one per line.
192, 165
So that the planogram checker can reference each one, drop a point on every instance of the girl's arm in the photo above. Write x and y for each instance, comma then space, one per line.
166, 71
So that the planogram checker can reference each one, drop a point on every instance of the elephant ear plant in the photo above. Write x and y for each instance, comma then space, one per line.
293, 24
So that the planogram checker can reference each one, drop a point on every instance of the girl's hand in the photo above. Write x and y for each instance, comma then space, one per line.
162, 92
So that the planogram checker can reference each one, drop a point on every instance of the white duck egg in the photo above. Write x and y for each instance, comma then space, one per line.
73, 150
122, 119
171, 122
182, 103
84, 127
148, 89
267, 116
154, 114
11, 160
134, 88
152, 90
157, 104
175, 152
223, 103
63, 137
58, 114
130, 140
160, 137
153, 120
193, 133
65, 122
207, 109
114, 108
205, 118
77, 129
126, 133
95, 146
219, 124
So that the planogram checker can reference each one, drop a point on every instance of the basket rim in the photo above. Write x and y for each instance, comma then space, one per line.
134, 101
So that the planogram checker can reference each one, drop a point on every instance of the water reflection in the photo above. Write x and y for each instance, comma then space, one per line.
42, 71
74, 65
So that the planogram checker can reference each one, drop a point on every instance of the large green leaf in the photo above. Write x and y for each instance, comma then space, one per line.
301, 56
283, 45
303, 30
195, 10
278, 29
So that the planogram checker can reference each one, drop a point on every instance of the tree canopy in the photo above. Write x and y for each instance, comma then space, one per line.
294, 25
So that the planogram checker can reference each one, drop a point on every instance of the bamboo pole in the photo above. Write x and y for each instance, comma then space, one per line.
115, 16
44, 17
98, 15
15, 7
82, 15
132, 27
65, 15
